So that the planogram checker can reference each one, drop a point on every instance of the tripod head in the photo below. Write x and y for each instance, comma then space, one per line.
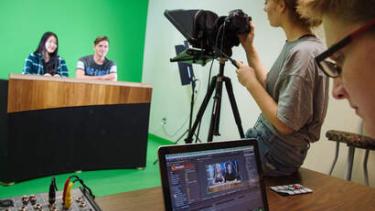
223, 55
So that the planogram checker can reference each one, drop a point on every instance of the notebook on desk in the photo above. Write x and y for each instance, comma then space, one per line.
212, 176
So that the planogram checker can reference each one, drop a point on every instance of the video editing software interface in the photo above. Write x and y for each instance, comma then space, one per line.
220, 179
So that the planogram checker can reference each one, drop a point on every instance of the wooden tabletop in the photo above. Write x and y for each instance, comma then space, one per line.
32, 92
329, 193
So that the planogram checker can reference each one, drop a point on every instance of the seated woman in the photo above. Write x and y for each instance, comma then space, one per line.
45, 59
97, 66
230, 172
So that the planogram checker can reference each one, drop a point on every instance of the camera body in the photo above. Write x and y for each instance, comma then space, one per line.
211, 31
207, 31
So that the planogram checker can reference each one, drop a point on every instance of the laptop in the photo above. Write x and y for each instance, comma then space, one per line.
212, 176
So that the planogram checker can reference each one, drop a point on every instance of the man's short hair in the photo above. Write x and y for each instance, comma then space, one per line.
100, 38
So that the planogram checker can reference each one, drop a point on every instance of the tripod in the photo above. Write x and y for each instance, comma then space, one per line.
190, 115
217, 83
192, 100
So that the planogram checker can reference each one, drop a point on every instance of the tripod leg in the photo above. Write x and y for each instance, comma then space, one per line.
181, 136
214, 124
178, 139
189, 138
197, 134
236, 113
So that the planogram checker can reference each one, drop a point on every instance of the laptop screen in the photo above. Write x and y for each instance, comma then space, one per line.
215, 176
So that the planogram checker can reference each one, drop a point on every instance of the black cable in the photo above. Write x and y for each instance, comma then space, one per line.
209, 79
220, 50
222, 37
52, 191
217, 36
85, 187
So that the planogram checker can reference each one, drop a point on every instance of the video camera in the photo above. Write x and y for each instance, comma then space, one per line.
210, 35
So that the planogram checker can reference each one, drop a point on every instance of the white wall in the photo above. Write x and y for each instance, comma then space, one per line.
170, 100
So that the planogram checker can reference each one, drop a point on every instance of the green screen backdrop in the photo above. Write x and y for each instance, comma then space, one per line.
77, 23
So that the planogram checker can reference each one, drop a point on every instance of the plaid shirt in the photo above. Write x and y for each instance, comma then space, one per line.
34, 65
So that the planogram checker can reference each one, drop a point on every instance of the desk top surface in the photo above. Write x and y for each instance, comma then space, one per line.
74, 80
329, 193
33, 92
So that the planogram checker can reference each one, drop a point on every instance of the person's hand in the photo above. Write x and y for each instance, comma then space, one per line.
57, 76
245, 74
108, 77
47, 74
248, 39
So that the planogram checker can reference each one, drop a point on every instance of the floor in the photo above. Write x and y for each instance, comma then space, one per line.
102, 183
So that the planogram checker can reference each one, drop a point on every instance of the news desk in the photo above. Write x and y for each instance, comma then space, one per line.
54, 125
329, 193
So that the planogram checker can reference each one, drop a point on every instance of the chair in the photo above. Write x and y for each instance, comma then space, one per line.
353, 141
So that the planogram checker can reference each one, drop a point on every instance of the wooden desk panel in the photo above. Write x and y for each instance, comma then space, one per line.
329, 193
61, 125
31, 92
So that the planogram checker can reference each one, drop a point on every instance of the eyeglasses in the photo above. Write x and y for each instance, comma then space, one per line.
329, 65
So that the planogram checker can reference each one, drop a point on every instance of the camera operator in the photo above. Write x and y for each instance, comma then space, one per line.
292, 96
354, 63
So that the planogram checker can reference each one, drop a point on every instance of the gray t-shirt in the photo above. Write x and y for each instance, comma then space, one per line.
300, 90
91, 68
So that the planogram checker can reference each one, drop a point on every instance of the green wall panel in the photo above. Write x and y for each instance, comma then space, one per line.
77, 23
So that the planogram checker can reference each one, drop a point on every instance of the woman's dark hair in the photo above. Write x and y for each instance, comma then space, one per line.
229, 164
51, 66
42, 44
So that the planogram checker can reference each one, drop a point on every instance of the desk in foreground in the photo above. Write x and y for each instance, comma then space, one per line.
329, 193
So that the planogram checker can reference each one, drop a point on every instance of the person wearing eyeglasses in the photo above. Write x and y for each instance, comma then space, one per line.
292, 95
350, 59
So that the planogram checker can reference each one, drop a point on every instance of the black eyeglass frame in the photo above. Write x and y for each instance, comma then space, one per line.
339, 45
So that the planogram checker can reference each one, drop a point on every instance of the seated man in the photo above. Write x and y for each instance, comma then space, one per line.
97, 66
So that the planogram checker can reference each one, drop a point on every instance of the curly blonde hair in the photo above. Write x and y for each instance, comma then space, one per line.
346, 10
296, 16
